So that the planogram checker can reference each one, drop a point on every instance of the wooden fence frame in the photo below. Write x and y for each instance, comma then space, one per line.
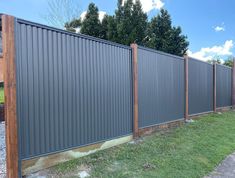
12, 155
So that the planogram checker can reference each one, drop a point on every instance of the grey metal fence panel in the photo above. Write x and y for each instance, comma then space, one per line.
200, 86
72, 90
223, 86
160, 87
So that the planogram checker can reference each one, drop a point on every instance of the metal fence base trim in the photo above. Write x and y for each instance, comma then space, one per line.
199, 114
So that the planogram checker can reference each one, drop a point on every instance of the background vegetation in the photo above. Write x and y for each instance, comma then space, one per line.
130, 24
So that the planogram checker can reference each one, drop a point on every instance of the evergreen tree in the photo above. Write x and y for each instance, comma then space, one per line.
131, 22
104, 28
91, 24
139, 23
112, 29
177, 43
162, 36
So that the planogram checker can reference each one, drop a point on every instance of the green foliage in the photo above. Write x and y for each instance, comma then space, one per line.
192, 150
130, 25
229, 62
91, 24
71, 26
104, 27
131, 22
1, 95
162, 36
212, 61
112, 26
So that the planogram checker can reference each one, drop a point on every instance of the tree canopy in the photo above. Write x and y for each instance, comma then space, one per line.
229, 62
161, 35
130, 24
91, 24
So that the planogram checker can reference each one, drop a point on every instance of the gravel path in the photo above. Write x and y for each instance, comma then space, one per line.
2, 151
226, 169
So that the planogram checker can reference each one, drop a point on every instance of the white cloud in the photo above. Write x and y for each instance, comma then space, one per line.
219, 29
149, 5
209, 53
101, 15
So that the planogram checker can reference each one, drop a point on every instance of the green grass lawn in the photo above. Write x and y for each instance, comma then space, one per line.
192, 150
1, 95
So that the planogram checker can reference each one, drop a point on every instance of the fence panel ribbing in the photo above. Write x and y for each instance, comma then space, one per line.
200, 87
161, 91
223, 86
72, 90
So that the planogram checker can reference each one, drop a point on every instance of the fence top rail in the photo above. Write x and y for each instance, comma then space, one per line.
198, 60
38, 25
160, 52
224, 66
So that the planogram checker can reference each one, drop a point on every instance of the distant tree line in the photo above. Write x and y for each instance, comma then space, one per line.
228, 62
130, 24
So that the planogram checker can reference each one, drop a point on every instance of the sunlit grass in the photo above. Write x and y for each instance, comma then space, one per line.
191, 151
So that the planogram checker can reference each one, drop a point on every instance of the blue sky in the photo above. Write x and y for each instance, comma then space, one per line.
209, 24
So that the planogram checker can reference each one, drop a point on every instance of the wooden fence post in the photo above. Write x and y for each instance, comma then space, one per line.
12, 155
233, 83
214, 86
186, 114
135, 87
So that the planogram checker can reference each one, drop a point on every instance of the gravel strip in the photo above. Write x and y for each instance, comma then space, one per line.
2, 151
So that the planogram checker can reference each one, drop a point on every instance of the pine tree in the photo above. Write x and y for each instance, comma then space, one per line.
162, 36
91, 24
177, 43
112, 29
139, 23
131, 22
104, 28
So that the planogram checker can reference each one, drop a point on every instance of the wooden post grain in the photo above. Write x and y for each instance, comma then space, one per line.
186, 114
233, 84
12, 155
135, 88
214, 87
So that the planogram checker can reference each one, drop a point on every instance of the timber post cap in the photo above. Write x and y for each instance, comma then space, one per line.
134, 45
186, 56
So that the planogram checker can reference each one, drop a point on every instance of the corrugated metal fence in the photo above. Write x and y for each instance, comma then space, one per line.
74, 90
200, 86
223, 86
161, 87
